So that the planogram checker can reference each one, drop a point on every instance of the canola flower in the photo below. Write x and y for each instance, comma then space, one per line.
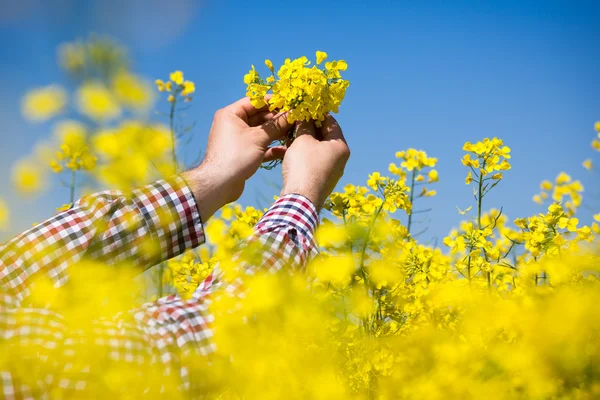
506, 308
4, 215
97, 102
306, 92
178, 90
39, 105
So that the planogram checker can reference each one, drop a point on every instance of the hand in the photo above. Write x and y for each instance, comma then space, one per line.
237, 144
315, 161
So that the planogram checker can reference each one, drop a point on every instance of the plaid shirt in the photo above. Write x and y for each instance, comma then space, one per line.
111, 227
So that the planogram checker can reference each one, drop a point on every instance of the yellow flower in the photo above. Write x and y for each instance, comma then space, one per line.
563, 178
188, 88
321, 56
546, 185
469, 178
27, 177
176, 77
41, 104
587, 164
428, 193
56, 167
133, 92
171, 98
433, 176
269, 65
569, 223
270, 79
4, 215
337, 270
160, 85
374, 179
597, 126
251, 77
64, 207
97, 102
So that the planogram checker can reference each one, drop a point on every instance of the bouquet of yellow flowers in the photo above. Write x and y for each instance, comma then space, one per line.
307, 92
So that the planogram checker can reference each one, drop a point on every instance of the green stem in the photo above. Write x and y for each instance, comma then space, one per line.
171, 122
364, 248
72, 195
479, 199
479, 204
412, 195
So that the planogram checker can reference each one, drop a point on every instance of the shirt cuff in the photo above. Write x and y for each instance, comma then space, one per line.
294, 210
170, 209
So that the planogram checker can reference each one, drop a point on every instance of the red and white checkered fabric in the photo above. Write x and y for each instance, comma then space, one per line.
154, 339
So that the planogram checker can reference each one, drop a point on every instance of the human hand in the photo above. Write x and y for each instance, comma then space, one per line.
237, 144
315, 161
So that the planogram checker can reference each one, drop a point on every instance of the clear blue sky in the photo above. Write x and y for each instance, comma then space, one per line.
424, 74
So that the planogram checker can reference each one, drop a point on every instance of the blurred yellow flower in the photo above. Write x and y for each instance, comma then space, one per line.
587, 164
133, 92
28, 177
72, 56
188, 88
433, 176
4, 215
64, 207
97, 102
41, 104
546, 185
71, 132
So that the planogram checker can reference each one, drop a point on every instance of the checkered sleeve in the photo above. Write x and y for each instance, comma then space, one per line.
152, 224
285, 234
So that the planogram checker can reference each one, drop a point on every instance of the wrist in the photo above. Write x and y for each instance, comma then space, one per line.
210, 190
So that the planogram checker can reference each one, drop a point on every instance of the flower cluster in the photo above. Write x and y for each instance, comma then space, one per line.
491, 157
176, 86
547, 232
307, 92
564, 187
74, 153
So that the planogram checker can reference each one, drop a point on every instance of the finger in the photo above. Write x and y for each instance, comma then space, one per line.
274, 153
275, 128
260, 118
244, 109
306, 128
331, 129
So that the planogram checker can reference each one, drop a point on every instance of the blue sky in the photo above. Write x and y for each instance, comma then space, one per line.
427, 74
